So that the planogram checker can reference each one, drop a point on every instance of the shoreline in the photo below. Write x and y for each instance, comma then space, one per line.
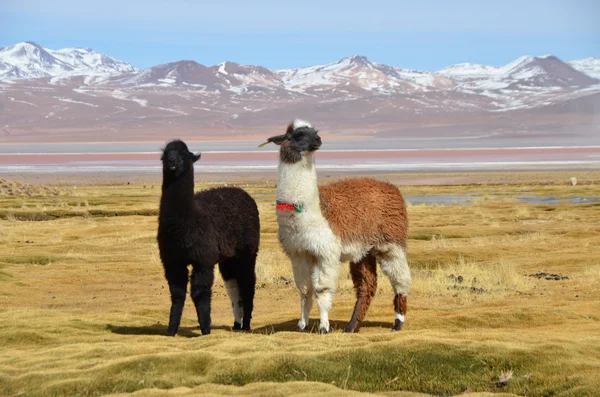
412, 178
363, 160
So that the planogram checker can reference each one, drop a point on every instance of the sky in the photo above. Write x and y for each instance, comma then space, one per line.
424, 35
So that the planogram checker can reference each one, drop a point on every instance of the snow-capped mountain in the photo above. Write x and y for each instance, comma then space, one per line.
182, 73
244, 76
227, 76
357, 72
527, 71
589, 66
30, 60
87, 60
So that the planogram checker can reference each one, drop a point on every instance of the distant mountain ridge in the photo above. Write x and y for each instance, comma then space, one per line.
64, 92
30, 60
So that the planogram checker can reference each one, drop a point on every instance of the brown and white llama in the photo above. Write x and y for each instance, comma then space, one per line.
361, 220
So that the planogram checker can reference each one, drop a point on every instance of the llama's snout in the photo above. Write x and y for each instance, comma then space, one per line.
172, 161
316, 143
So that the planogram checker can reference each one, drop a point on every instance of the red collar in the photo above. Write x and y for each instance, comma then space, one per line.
289, 206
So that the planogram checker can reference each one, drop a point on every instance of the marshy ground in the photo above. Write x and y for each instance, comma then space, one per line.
505, 299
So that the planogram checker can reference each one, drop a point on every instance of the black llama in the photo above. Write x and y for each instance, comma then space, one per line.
218, 225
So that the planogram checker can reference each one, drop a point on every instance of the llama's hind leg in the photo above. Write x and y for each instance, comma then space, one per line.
364, 277
302, 267
202, 281
231, 284
246, 280
392, 259
177, 277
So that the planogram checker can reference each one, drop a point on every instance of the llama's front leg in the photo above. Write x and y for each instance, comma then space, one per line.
325, 275
177, 277
202, 281
302, 267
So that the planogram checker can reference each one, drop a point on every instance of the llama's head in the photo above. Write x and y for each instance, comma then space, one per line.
177, 159
299, 139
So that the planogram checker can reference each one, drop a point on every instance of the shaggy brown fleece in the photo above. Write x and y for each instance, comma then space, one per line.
365, 210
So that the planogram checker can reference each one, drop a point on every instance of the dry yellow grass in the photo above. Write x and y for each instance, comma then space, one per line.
83, 303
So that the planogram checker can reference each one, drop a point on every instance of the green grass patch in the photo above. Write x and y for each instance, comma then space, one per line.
37, 260
25, 338
60, 214
438, 369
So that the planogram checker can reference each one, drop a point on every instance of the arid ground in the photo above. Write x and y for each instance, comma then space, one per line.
505, 296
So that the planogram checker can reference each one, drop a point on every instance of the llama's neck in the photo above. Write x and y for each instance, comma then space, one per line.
177, 194
297, 183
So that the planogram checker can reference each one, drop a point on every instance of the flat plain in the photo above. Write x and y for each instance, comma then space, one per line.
505, 298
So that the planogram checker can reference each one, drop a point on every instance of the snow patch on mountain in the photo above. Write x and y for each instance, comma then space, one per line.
69, 100
24, 102
124, 96
463, 71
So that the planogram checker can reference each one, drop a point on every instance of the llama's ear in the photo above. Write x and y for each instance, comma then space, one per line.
277, 139
195, 157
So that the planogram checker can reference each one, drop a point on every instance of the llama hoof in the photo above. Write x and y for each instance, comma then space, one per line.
323, 331
171, 331
206, 331
352, 326
237, 326
300, 329
246, 328
397, 325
